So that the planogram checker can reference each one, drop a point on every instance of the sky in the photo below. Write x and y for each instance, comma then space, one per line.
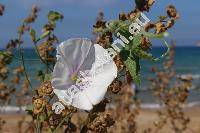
80, 15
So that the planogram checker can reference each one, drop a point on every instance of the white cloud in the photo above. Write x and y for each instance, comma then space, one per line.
53, 3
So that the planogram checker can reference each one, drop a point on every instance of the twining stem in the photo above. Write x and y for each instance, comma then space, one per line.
38, 125
22, 59
37, 51
66, 117
164, 54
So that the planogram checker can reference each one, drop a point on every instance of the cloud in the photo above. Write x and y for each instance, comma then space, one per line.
53, 3
90, 2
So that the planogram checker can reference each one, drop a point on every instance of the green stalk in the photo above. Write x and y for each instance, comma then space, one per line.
37, 124
37, 51
22, 59
66, 117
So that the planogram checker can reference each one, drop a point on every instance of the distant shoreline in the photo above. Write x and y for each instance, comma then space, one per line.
177, 46
21, 110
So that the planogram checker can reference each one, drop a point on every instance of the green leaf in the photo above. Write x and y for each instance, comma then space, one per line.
143, 54
133, 67
47, 77
124, 54
136, 41
54, 16
29, 108
98, 30
42, 118
44, 35
152, 35
33, 35
40, 75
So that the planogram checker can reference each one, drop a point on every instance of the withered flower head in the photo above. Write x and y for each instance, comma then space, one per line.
101, 123
172, 12
144, 5
31, 18
170, 23
132, 15
145, 44
122, 16
149, 26
2, 8
160, 27
3, 72
3, 86
18, 70
45, 89
55, 119
115, 87
38, 105
12, 44
100, 24
100, 20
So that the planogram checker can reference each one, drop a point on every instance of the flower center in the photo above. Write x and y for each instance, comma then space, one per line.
74, 77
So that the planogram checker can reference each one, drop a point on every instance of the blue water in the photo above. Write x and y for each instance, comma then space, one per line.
187, 61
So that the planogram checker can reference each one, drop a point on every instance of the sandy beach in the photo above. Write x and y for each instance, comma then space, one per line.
144, 120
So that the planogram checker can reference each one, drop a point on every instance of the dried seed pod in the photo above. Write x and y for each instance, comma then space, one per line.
149, 26
101, 123
122, 16
170, 23
2, 8
160, 27
3, 86
55, 119
115, 87
150, 2
18, 70
145, 44
38, 105
172, 12
118, 62
45, 89
132, 15
16, 79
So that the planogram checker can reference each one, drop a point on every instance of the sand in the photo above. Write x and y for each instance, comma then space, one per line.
144, 120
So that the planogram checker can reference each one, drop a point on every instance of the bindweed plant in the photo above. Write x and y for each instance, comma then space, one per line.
135, 40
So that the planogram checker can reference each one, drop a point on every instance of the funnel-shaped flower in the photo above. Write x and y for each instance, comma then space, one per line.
75, 57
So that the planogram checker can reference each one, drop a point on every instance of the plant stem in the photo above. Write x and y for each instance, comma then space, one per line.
66, 117
43, 61
22, 59
38, 125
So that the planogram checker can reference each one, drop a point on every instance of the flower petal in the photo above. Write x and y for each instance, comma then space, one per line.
73, 55
100, 82
77, 55
102, 79
81, 101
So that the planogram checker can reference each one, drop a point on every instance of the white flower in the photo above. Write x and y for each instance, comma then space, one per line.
79, 55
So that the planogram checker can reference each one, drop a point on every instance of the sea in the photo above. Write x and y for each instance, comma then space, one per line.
187, 62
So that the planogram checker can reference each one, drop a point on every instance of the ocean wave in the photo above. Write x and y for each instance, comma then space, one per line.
12, 109
194, 76
22, 109
157, 106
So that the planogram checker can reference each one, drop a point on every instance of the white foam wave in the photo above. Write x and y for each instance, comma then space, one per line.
157, 106
194, 76
22, 109
12, 109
